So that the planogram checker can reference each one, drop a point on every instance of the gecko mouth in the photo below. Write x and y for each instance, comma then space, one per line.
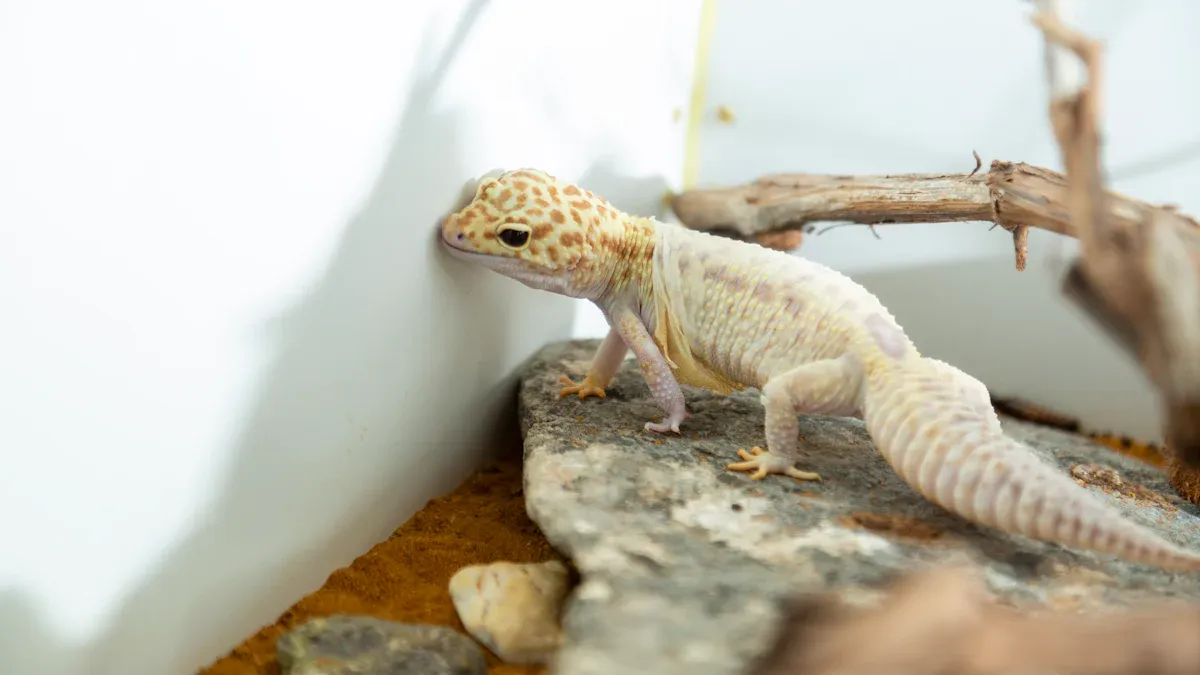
459, 252
497, 263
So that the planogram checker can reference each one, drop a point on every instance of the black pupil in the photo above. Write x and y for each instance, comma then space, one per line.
515, 238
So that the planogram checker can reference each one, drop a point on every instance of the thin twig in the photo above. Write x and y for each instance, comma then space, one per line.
978, 163
1021, 246
870, 226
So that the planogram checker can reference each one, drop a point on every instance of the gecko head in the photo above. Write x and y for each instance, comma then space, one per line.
529, 226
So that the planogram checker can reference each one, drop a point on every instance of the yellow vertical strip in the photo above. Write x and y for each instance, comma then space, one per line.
691, 148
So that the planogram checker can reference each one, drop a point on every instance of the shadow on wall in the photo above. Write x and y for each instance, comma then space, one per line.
640, 195
381, 337
27, 644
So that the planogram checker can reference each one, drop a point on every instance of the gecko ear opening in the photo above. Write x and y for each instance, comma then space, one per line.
514, 235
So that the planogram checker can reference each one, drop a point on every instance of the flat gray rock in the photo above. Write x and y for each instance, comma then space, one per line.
684, 563
362, 645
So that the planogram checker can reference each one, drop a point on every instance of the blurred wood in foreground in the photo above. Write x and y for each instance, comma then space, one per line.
944, 622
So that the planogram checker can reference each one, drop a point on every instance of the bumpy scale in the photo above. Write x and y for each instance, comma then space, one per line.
715, 313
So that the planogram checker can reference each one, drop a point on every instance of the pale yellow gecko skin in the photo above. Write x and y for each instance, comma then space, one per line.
720, 314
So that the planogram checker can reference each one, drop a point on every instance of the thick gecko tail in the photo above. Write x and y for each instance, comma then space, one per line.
937, 429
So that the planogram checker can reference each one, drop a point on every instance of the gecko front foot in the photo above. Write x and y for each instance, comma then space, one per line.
763, 463
584, 389
670, 424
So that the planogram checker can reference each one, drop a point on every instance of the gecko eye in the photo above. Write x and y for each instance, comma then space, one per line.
513, 237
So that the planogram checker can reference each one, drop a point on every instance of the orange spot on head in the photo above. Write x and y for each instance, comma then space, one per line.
558, 217
581, 205
506, 195
542, 230
542, 203
521, 185
571, 191
537, 191
552, 252
576, 217
570, 239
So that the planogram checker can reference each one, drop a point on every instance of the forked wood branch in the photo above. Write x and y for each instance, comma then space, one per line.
1138, 275
1138, 278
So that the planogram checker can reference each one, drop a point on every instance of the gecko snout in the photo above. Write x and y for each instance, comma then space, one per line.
449, 229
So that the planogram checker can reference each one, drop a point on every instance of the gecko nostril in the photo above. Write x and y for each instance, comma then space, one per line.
461, 236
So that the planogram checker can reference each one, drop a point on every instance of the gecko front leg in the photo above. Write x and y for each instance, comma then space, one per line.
655, 370
604, 366
827, 387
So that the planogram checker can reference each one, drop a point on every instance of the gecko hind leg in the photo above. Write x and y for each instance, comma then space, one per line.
827, 387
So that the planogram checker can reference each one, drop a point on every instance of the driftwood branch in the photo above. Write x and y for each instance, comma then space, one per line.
943, 621
1011, 194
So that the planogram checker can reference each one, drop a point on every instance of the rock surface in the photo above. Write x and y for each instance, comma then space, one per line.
684, 563
359, 645
513, 609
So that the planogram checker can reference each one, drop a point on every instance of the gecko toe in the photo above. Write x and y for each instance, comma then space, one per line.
803, 475
583, 389
763, 464
663, 427
671, 424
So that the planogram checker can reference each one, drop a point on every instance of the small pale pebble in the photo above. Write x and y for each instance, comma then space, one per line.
512, 609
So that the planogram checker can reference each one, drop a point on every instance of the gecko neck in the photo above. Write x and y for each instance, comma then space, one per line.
619, 269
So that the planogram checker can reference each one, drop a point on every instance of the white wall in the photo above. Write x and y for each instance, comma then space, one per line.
231, 358
862, 86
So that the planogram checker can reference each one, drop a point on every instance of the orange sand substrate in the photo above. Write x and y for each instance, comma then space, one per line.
405, 578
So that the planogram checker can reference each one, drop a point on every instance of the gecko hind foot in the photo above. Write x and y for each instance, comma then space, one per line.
763, 463
583, 389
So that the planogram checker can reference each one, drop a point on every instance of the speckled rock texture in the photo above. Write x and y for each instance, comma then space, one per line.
684, 563
361, 645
